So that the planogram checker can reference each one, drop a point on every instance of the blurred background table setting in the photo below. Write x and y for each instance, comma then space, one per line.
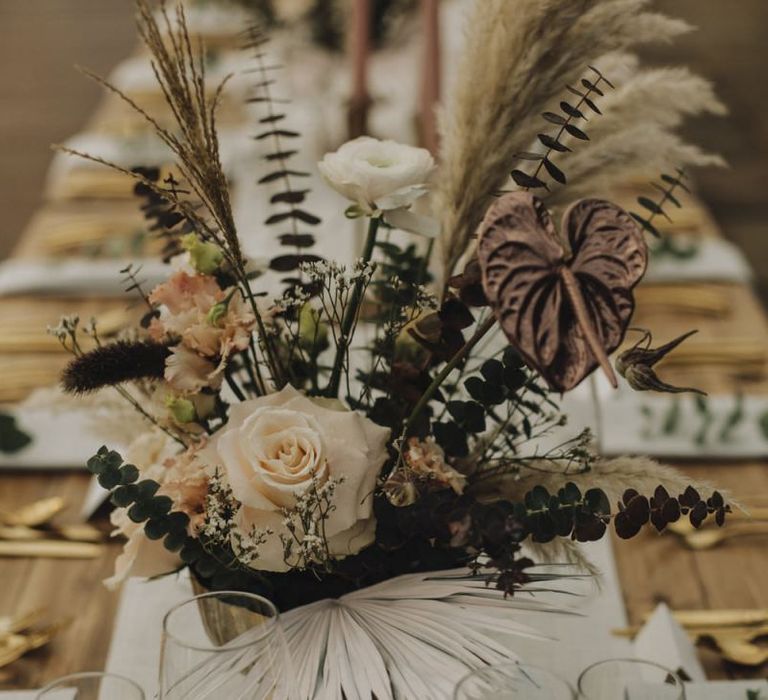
80, 240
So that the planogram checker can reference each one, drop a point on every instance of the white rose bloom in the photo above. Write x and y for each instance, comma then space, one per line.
273, 447
378, 175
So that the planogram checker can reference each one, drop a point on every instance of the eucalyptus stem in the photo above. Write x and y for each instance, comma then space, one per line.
350, 313
441, 376
236, 390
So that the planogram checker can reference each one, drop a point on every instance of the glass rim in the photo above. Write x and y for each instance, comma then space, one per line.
88, 675
511, 664
627, 659
268, 626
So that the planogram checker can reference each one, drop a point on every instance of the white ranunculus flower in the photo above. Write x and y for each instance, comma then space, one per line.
378, 175
273, 447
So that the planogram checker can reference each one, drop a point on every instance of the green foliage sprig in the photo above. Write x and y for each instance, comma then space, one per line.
214, 563
564, 121
496, 530
12, 438
289, 199
667, 187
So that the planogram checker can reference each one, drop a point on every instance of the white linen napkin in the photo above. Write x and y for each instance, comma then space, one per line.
60, 440
671, 425
663, 641
76, 277
716, 260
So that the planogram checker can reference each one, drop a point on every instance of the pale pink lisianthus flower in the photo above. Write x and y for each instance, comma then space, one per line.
208, 338
188, 372
186, 292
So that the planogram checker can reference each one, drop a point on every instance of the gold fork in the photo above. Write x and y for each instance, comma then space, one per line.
71, 533
33, 514
33, 337
14, 646
707, 539
17, 623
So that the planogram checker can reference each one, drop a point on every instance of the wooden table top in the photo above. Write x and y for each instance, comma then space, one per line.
652, 568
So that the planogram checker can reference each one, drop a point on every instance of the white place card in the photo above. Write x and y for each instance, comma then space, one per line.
663, 641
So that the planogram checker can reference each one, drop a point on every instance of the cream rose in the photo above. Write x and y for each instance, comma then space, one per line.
272, 449
378, 175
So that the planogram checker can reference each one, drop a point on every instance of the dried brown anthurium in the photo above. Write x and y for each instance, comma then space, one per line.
563, 311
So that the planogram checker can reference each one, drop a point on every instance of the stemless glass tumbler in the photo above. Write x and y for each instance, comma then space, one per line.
511, 681
92, 686
224, 645
633, 679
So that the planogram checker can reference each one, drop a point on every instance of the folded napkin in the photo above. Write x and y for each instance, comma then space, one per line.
60, 440
135, 76
716, 260
212, 19
76, 277
89, 229
72, 176
665, 642
670, 425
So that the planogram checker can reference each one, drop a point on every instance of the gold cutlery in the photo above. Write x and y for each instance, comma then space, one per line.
683, 526
18, 623
737, 645
721, 351
749, 618
50, 549
707, 539
33, 514
88, 182
695, 299
35, 338
14, 646
735, 641
735, 617
72, 533
21, 378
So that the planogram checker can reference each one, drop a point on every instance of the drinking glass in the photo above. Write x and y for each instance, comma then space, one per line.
223, 645
629, 679
512, 680
92, 686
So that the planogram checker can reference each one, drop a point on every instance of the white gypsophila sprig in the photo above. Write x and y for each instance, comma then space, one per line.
219, 527
66, 331
306, 545
336, 285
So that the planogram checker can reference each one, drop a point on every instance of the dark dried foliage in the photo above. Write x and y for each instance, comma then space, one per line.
590, 90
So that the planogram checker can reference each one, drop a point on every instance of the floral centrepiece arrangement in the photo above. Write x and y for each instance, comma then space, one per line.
371, 434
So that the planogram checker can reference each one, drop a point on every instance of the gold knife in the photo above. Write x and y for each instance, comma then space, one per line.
50, 549
700, 620
34, 514
73, 533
